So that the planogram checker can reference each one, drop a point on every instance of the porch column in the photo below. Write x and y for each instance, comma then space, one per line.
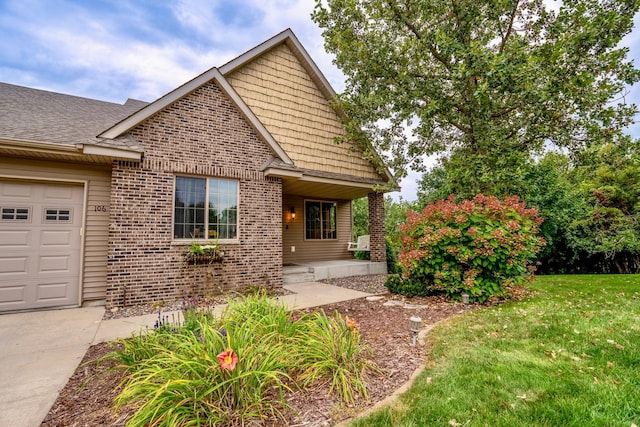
377, 242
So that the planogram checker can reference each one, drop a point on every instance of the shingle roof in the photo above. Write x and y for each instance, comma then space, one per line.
42, 116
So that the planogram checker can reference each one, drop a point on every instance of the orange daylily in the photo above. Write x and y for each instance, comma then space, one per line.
352, 324
228, 360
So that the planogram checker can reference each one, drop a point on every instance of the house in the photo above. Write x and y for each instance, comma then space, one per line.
100, 201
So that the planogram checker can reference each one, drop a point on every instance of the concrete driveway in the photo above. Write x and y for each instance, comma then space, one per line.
39, 351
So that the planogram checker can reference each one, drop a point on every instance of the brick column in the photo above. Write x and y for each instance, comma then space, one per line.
376, 227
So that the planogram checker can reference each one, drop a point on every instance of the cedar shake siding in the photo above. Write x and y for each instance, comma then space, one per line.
282, 94
200, 135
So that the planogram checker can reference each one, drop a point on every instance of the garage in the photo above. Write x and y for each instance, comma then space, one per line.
40, 244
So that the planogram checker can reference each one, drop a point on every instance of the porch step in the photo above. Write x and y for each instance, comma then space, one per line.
297, 274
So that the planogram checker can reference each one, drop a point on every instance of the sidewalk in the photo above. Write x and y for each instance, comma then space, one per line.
41, 350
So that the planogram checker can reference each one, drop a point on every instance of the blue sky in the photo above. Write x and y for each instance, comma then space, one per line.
114, 50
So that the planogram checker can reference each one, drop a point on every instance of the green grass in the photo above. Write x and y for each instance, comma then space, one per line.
567, 356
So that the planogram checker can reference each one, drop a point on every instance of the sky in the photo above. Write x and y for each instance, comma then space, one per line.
114, 50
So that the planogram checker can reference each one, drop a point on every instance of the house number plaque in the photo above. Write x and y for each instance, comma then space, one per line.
100, 208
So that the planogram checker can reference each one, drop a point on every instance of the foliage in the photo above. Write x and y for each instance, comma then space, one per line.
395, 214
566, 355
234, 370
550, 189
330, 349
360, 209
609, 177
433, 186
391, 256
485, 83
476, 247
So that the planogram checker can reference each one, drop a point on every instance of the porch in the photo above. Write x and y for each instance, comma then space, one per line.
319, 270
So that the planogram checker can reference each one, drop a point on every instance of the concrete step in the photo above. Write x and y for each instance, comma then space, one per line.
292, 278
296, 269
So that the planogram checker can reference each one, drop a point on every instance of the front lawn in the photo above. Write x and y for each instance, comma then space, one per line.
569, 355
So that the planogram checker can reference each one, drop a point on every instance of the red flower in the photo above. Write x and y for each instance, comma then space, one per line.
228, 360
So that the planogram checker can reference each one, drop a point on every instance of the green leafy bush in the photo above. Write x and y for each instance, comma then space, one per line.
477, 246
185, 382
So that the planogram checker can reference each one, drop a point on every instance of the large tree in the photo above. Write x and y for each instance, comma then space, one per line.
485, 83
609, 177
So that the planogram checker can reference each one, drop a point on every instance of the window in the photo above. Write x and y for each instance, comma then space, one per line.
57, 215
320, 220
205, 208
15, 214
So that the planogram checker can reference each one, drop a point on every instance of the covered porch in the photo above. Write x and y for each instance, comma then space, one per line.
317, 223
314, 271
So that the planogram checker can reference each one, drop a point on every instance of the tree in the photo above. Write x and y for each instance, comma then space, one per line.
360, 209
550, 189
609, 178
433, 186
485, 83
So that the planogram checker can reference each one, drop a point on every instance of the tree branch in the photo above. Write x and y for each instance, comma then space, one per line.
432, 49
506, 35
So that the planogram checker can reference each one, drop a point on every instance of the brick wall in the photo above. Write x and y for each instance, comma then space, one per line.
202, 134
377, 242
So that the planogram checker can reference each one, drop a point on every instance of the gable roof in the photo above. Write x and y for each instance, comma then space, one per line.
220, 76
158, 105
288, 38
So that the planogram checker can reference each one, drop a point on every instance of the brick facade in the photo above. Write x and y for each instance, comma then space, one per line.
202, 134
377, 243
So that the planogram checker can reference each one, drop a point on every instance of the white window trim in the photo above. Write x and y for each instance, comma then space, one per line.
189, 240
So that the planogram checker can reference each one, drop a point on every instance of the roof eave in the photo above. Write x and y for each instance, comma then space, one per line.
116, 153
41, 147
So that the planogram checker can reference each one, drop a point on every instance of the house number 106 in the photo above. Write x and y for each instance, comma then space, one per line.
100, 208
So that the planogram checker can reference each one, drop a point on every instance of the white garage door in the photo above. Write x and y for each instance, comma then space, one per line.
40, 243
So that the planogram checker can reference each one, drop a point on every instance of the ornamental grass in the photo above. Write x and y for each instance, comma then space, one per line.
234, 370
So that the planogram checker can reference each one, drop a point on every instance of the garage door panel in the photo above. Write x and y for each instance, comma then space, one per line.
17, 238
56, 238
54, 264
12, 266
17, 190
58, 193
39, 256
52, 292
12, 296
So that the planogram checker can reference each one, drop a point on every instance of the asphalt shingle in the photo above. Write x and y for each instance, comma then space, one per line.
38, 115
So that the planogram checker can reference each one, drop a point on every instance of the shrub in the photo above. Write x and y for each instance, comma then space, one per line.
478, 247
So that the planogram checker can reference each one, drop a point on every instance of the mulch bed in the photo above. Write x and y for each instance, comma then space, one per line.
87, 399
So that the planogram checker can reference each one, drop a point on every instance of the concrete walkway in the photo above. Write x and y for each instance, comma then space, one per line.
39, 351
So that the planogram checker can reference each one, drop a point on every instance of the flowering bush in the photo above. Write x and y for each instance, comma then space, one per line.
477, 246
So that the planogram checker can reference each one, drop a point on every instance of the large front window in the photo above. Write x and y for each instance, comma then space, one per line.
205, 208
320, 220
